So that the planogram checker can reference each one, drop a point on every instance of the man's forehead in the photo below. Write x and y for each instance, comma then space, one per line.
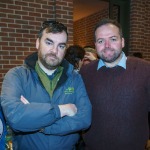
107, 30
56, 37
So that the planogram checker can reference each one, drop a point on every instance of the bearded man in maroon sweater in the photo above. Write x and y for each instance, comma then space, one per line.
119, 90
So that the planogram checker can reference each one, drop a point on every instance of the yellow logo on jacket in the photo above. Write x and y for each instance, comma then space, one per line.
69, 90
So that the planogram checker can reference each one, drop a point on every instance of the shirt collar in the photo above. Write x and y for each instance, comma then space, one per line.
122, 62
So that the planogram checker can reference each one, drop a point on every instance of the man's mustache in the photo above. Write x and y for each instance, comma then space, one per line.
51, 55
108, 49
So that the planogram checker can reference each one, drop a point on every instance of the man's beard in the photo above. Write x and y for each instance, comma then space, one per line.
48, 63
115, 56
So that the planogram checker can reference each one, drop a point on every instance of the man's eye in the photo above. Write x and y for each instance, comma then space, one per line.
62, 46
49, 43
113, 39
100, 41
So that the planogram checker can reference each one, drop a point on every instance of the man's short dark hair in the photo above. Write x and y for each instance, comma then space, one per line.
52, 26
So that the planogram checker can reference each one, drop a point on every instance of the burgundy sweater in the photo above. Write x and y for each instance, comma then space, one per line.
121, 100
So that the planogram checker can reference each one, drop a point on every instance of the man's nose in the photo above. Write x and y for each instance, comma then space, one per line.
107, 44
54, 49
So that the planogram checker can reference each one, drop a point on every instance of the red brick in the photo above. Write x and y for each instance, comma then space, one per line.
22, 40
39, 1
34, 14
27, 53
48, 15
2, 5
28, 9
9, 57
15, 44
22, 49
29, 36
8, 48
14, 7
14, 16
17, 53
16, 62
9, 66
22, 31
29, 44
6, 11
15, 35
21, 57
21, 3
41, 10
7, 20
2, 15
4, 53
21, 12
27, 17
8, 39
47, 7
14, 26
3, 34
34, 5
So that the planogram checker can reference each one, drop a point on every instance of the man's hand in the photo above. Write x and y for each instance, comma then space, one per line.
67, 110
24, 100
90, 56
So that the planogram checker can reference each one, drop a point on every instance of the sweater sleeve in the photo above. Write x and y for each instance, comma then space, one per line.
80, 121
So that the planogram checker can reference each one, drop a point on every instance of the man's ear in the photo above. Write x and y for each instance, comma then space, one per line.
123, 42
37, 43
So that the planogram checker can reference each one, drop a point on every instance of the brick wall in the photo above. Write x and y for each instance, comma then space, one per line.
139, 28
20, 21
83, 29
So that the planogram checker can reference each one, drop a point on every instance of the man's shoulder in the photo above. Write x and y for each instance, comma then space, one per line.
138, 62
139, 65
18, 70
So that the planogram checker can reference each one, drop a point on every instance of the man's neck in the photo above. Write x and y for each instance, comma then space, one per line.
47, 71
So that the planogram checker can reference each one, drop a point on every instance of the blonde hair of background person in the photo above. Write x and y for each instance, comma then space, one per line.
90, 55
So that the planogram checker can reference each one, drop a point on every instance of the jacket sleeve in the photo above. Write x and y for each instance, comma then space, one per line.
24, 117
2, 130
80, 121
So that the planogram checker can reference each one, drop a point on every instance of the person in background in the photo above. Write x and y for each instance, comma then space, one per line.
42, 100
138, 54
119, 89
90, 55
75, 55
